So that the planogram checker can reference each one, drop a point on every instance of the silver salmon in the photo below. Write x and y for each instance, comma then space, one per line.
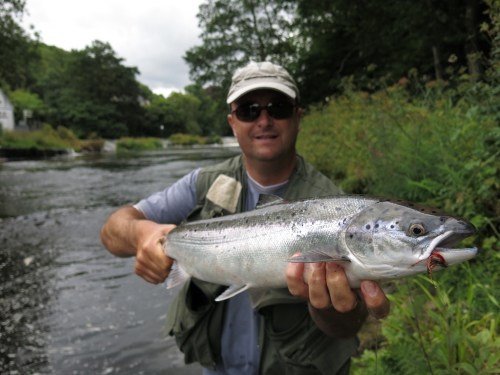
372, 238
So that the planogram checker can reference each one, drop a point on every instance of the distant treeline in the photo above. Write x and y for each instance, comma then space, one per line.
375, 44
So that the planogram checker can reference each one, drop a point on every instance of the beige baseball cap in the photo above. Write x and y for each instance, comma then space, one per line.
261, 75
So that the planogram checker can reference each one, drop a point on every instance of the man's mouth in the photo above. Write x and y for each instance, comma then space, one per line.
263, 137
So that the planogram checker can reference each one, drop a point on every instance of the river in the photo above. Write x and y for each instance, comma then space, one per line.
67, 306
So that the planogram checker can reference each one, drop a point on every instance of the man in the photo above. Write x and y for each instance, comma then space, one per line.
309, 328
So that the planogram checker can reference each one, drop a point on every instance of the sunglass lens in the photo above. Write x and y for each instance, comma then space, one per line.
280, 110
251, 112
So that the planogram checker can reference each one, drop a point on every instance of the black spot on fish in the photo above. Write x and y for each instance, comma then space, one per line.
441, 219
396, 209
411, 204
351, 235
397, 222
376, 225
392, 226
434, 211
368, 227
293, 214
422, 209
207, 225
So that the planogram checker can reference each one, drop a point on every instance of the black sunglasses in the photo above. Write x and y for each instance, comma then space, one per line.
249, 112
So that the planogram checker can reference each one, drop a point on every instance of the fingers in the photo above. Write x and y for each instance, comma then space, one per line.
326, 284
376, 301
151, 262
342, 297
295, 280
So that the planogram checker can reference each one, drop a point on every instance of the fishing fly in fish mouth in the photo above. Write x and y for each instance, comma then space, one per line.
372, 238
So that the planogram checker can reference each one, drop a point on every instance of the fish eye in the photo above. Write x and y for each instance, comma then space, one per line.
417, 229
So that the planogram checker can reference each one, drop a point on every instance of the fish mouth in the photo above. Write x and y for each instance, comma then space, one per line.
448, 239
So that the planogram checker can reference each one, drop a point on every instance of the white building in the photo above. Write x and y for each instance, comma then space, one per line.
6, 112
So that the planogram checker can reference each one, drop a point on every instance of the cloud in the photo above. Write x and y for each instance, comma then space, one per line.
152, 35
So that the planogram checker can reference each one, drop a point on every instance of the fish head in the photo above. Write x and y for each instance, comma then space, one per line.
397, 239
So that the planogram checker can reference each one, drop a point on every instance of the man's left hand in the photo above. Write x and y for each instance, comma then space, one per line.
327, 286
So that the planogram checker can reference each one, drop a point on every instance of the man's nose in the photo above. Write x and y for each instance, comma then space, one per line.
264, 119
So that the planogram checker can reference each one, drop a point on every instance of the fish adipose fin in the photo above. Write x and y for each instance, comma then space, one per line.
266, 200
232, 291
176, 276
318, 256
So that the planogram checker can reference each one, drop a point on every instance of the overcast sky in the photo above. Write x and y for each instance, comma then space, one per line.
152, 35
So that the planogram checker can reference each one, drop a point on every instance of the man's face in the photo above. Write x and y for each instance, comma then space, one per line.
266, 139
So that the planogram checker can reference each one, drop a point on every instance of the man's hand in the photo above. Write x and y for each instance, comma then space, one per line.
128, 233
326, 287
151, 262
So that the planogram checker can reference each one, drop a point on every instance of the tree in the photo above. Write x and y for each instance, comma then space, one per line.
234, 33
373, 40
179, 113
94, 93
17, 49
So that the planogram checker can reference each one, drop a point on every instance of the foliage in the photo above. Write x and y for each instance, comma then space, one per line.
23, 99
17, 50
448, 331
409, 34
44, 138
139, 144
180, 139
238, 31
177, 113
94, 92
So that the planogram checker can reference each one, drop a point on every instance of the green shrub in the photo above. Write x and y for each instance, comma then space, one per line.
139, 144
448, 330
179, 139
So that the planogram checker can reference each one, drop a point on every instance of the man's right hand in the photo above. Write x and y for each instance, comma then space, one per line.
128, 233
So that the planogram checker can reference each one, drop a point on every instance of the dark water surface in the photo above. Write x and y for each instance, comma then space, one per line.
67, 306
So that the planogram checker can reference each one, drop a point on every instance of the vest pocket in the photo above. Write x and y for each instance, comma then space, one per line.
300, 346
193, 319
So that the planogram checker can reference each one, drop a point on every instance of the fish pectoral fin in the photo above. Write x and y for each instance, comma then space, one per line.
256, 296
176, 276
267, 200
232, 291
318, 256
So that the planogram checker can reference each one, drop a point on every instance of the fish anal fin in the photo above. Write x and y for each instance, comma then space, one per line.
176, 276
232, 291
319, 256
268, 200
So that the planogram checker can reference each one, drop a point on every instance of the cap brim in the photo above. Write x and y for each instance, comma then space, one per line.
262, 85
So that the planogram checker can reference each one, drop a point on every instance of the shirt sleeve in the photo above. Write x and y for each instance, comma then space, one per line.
174, 204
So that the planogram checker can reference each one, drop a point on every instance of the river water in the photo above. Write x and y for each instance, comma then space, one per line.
67, 306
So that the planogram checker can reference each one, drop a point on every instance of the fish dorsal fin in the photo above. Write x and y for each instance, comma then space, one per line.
318, 256
176, 276
256, 296
268, 200
232, 291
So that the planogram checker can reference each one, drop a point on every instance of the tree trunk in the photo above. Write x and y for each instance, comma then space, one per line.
437, 63
471, 50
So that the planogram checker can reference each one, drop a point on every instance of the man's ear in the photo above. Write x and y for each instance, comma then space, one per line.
231, 123
299, 117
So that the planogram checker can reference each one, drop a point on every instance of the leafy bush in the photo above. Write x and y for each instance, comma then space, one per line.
47, 138
443, 332
180, 139
139, 144
44, 138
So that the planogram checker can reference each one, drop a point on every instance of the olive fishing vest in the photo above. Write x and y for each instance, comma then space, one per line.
290, 342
